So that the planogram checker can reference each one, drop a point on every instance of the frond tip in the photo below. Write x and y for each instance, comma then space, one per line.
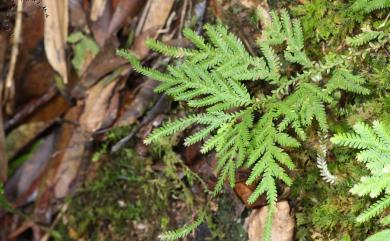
183, 231
374, 145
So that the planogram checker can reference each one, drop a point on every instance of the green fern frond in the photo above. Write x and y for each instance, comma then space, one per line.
375, 209
283, 29
209, 79
380, 236
364, 38
184, 231
344, 80
385, 221
374, 143
265, 157
368, 6
273, 62
170, 51
273, 34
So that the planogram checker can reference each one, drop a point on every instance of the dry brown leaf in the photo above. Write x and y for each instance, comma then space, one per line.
56, 33
96, 105
78, 18
282, 225
125, 9
63, 167
97, 10
139, 104
104, 62
39, 121
31, 170
158, 14
71, 162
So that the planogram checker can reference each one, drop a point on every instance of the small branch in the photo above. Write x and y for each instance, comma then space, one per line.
9, 83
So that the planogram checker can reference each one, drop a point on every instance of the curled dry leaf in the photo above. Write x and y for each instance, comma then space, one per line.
56, 33
157, 14
97, 103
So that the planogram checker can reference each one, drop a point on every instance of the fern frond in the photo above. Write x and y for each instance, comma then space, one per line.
344, 80
265, 158
209, 78
374, 210
375, 154
321, 161
170, 51
274, 34
385, 221
283, 29
272, 62
184, 231
364, 38
380, 236
368, 6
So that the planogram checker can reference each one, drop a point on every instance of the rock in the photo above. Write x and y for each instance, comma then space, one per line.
282, 228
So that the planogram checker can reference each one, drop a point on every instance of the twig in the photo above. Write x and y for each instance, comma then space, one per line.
30, 108
157, 109
9, 83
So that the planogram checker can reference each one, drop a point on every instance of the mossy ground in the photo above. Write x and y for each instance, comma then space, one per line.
135, 198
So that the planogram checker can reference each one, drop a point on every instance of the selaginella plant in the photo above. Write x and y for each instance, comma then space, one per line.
374, 145
249, 131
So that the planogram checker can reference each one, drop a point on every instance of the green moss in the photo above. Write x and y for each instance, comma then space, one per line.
328, 212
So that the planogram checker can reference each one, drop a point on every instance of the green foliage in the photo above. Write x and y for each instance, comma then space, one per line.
368, 6
210, 77
183, 231
3, 201
381, 236
84, 48
364, 38
374, 145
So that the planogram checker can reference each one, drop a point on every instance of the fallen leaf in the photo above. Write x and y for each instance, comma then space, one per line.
77, 16
64, 164
97, 102
56, 33
158, 14
105, 62
139, 104
36, 81
282, 224
100, 25
34, 125
244, 191
97, 10
84, 51
124, 10
31, 169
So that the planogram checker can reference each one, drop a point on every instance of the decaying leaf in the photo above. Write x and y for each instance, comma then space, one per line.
98, 7
97, 103
56, 33
84, 50
157, 14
